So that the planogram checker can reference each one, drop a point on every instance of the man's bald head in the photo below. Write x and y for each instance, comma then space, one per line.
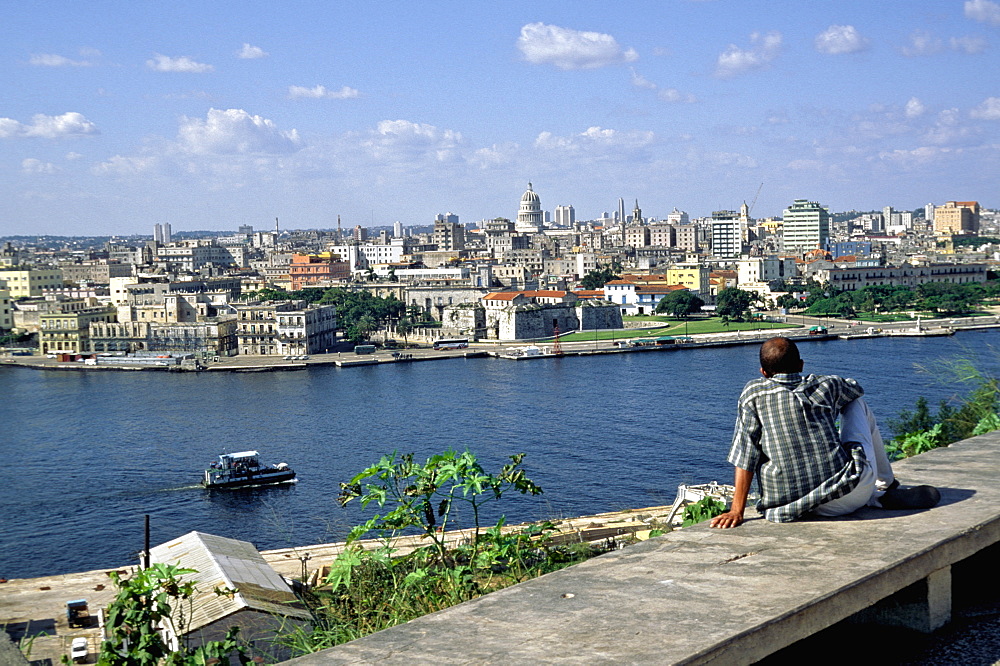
779, 355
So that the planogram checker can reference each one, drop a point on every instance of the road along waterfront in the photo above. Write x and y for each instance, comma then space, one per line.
87, 454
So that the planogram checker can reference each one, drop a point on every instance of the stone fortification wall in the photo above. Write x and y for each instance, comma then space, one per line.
598, 314
529, 321
435, 300
466, 319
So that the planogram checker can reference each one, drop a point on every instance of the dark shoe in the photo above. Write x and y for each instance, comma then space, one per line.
918, 497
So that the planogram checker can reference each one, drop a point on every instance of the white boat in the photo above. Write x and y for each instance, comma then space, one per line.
243, 470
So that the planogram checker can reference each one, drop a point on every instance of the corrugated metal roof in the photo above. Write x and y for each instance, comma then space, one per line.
230, 563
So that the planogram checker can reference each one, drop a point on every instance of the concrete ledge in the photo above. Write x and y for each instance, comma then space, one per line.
702, 596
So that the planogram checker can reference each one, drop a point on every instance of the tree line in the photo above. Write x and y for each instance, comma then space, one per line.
938, 297
359, 313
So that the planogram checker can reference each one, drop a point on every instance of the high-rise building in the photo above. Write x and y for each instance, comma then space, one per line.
397, 229
806, 226
529, 216
957, 217
727, 237
621, 219
565, 216
449, 235
158, 232
167, 233
360, 234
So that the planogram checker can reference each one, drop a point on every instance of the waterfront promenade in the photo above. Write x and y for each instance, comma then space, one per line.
797, 329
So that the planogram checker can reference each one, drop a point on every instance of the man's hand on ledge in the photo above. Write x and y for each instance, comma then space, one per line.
728, 519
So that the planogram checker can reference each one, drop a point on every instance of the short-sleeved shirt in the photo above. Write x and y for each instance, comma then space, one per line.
786, 432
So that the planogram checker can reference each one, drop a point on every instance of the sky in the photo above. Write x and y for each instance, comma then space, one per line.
116, 116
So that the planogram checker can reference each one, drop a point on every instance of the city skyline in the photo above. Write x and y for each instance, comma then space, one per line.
122, 116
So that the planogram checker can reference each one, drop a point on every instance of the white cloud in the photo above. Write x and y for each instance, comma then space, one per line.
730, 159
120, 165
920, 155
640, 81
566, 48
72, 155
671, 95
674, 96
31, 165
593, 138
48, 127
321, 92
922, 43
983, 11
55, 60
968, 44
988, 110
495, 156
734, 60
838, 39
162, 63
948, 130
914, 108
806, 165
405, 141
234, 131
249, 52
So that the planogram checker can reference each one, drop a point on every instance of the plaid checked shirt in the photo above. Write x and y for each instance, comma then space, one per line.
786, 433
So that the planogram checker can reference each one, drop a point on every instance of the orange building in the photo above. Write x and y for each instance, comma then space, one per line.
325, 269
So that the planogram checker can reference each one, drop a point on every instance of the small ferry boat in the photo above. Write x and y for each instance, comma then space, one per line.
243, 470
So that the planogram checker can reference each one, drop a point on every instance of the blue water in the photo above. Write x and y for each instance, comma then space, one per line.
85, 455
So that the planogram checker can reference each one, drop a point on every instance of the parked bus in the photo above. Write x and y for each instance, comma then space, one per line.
451, 343
364, 349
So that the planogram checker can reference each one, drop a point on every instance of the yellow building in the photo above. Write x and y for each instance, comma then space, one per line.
69, 332
31, 282
957, 217
691, 275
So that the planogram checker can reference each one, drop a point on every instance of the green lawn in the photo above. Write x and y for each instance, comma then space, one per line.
676, 327
883, 317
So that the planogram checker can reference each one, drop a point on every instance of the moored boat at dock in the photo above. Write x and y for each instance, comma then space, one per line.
243, 470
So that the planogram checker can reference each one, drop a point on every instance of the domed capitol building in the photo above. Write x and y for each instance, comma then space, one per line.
529, 217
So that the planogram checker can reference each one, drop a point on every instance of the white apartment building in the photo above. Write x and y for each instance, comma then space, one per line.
764, 269
727, 237
565, 216
363, 257
806, 226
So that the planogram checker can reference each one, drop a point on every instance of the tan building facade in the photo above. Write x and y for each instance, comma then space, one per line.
957, 217
31, 282
69, 332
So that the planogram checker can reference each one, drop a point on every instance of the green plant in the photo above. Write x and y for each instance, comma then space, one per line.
425, 496
988, 423
702, 510
915, 443
146, 601
371, 589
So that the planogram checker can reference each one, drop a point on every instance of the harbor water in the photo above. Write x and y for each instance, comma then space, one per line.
87, 454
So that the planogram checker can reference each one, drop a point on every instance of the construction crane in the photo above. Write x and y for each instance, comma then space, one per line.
754, 202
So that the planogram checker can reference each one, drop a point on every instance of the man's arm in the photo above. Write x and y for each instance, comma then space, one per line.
734, 517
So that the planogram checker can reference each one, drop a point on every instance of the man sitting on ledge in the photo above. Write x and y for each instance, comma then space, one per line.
786, 431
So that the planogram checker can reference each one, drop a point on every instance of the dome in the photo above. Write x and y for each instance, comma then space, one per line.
530, 196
